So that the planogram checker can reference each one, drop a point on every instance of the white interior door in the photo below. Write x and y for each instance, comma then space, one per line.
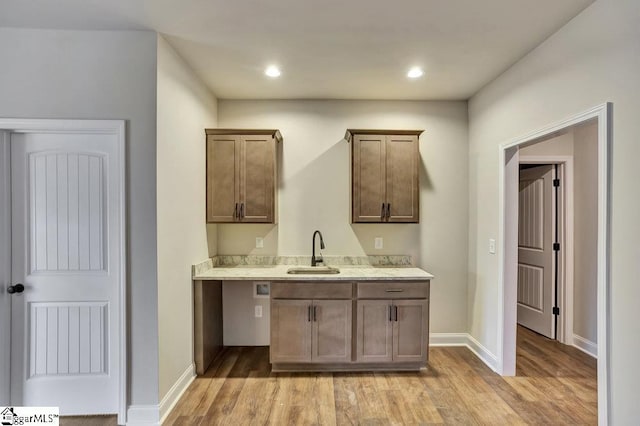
66, 230
535, 250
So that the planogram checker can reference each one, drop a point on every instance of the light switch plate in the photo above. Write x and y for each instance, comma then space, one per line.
378, 243
492, 246
258, 310
259, 242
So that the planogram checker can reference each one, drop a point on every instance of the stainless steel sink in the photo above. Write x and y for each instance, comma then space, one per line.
309, 270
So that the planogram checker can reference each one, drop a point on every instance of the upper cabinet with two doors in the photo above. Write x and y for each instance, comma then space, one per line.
385, 175
241, 175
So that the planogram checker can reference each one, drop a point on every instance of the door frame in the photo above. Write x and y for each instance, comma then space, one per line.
102, 127
508, 235
565, 222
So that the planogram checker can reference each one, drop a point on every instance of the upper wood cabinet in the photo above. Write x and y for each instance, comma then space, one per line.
241, 175
385, 175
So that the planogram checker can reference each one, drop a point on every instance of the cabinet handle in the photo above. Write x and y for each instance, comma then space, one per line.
309, 313
235, 212
241, 210
390, 315
388, 210
395, 314
394, 290
315, 314
382, 212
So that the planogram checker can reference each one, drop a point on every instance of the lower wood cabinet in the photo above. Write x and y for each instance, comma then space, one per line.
314, 326
392, 330
310, 331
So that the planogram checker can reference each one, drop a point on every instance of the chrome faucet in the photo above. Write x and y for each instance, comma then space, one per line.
314, 260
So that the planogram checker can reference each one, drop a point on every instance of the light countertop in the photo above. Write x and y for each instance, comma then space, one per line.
279, 273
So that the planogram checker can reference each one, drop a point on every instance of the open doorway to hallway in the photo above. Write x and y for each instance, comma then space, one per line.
581, 302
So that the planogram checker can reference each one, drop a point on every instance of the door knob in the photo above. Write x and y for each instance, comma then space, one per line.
18, 288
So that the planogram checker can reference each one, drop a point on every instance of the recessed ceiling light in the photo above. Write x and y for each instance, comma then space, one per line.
415, 72
272, 71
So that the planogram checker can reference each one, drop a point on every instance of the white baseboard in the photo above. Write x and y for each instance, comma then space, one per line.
448, 339
483, 353
173, 396
585, 345
466, 340
143, 415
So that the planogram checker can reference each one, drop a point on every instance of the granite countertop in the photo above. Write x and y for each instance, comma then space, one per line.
275, 269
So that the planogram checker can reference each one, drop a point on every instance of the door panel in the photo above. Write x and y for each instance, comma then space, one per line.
535, 250
222, 188
368, 177
290, 330
374, 331
410, 330
331, 340
402, 178
65, 250
257, 178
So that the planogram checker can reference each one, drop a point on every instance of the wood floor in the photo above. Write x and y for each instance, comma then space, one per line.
555, 384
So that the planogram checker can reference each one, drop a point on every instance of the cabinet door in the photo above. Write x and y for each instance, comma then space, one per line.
374, 331
331, 338
410, 330
402, 192
290, 330
257, 178
223, 163
368, 178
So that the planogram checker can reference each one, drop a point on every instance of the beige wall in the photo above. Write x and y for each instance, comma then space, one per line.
585, 290
185, 108
314, 189
102, 75
593, 59
557, 145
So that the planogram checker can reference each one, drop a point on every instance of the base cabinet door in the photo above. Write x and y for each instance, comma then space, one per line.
331, 331
375, 331
290, 331
410, 330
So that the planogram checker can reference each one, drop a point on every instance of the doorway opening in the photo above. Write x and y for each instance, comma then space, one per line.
597, 316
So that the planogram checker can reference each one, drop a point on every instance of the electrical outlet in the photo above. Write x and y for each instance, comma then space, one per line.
492, 246
378, 243
259, 242
258, 310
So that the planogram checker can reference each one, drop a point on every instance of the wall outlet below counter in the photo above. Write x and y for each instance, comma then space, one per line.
378, 243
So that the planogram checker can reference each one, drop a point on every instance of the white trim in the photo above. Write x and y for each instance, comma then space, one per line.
483, 353
585, 345
5, 269
177, 390
506, 330
565, 292
448, 339
143, 415
111, 127
466, 340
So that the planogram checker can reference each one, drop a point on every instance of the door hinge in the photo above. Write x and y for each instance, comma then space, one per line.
556, 182
556, 246
556, 310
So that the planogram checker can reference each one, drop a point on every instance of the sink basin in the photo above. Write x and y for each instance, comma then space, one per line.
313, 270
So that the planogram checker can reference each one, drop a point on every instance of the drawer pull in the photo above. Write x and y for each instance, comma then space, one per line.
394, 290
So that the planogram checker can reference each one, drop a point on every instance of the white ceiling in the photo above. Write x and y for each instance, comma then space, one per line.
339, 49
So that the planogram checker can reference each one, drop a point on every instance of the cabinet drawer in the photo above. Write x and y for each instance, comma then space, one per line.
311, 290
393, 290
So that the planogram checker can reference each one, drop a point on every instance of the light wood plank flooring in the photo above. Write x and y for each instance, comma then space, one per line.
555, 384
